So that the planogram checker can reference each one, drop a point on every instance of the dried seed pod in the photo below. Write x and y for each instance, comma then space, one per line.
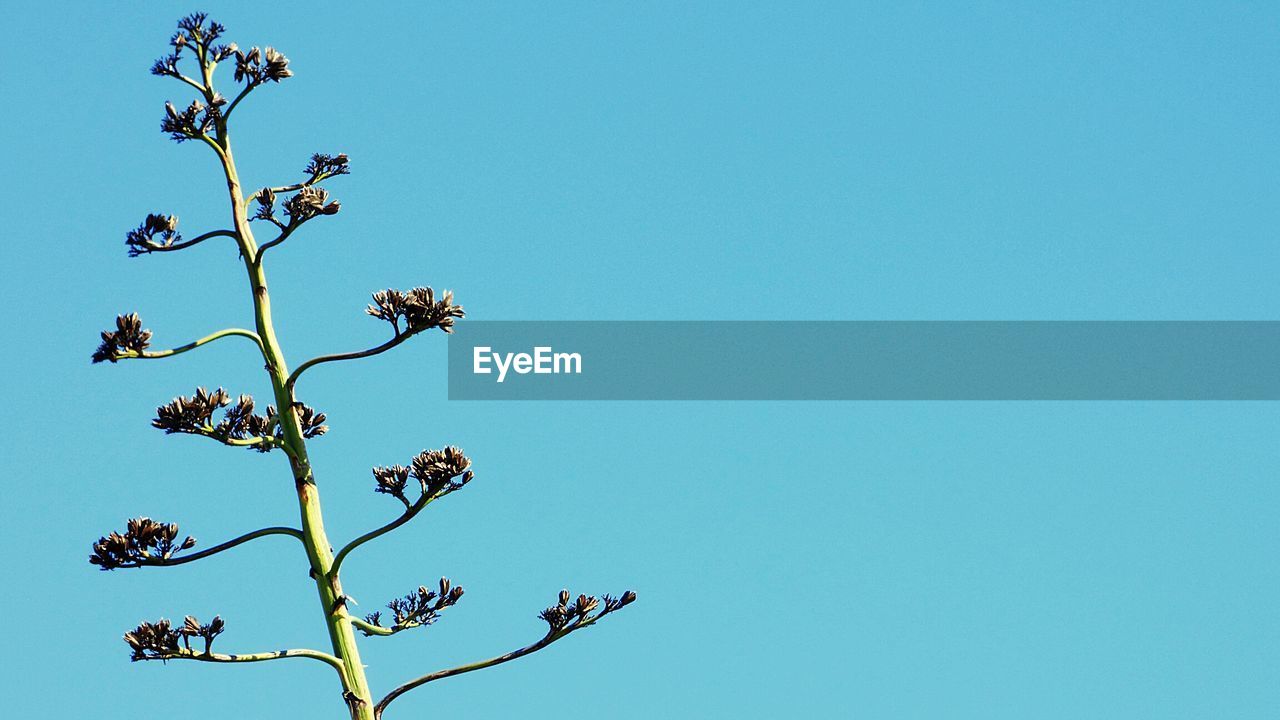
144, 542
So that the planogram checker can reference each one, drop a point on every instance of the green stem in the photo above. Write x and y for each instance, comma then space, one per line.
320, 556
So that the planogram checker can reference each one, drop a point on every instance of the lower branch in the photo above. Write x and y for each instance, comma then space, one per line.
184, 654
563, 618
441, 674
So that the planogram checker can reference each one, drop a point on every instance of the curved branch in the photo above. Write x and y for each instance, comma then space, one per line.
227, 113
369, 628
405, 517
188, 243
165, 562
481, 665
285, 232
191, 82
183, 654
147, 355
346, 356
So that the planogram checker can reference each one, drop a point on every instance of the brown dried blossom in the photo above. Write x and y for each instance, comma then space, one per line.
157, 232
197, 34
194, 416
312, 422
325, 166
566, 616
441, 472
127, 337
191, 627
190, 414
308, 203
418, 307
392, 481
153, 641
420, 608
193, 122
256, 67
144, 542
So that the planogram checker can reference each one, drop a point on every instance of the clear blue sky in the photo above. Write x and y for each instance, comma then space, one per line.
718, 161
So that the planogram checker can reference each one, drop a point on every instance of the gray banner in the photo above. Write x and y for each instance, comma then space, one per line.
881, 360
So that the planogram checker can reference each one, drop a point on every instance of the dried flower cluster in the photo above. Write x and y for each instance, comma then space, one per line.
323, 166
153, 641
194, 415
420, 608
160, 640
157, 232
438, 472
256, 67
418, 307
128, 337
191, 627
193, 122
197, 34
565, 616
144, 542
309, 202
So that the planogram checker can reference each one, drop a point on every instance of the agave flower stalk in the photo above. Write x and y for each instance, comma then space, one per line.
287, 424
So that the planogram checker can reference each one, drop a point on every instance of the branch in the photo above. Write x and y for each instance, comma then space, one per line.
152, 247
285, 232
347, 356
147, 355
191, 82
184, 654
165, 562
369, 628
461, 669
210, 431
563, 619
405, 517
227, 113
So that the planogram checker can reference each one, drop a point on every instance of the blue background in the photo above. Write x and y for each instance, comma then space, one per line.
717, 161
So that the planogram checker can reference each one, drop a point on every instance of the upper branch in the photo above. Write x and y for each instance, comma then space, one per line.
159, 233
418, 309
146, 542
562, 619
310, 201
438, 472
130, 341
